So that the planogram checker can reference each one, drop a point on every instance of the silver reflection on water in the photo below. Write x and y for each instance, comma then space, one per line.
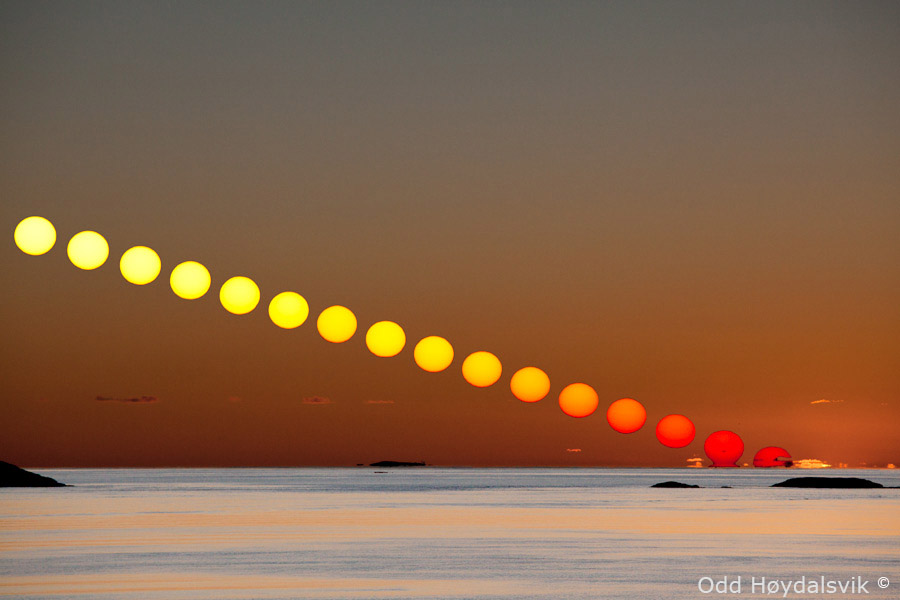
432, 533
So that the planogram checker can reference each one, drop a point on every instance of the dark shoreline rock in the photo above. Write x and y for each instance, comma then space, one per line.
673, 484
828, 483
396, 463
13, 476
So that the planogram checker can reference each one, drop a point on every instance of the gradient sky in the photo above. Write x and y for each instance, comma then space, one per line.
694, 204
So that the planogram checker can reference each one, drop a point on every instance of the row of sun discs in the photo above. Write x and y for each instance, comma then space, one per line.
240, 295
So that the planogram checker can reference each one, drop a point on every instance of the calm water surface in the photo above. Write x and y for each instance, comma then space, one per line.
440, 533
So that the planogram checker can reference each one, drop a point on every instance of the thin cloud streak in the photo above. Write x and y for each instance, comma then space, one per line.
316, 400
134, 400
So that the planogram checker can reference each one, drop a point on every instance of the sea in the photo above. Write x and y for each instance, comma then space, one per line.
416, 533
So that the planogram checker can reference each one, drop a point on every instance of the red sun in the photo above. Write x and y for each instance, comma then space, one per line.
724, 448
675, 431
772, 456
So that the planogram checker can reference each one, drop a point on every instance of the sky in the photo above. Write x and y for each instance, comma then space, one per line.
693, 204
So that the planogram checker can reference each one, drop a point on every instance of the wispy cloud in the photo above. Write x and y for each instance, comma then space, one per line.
573, 449
379, 401
826, 401
316, 400
695, 460
134, 400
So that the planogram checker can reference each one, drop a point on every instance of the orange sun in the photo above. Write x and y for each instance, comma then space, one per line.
626, 415
530, 384
675, 431
578, 400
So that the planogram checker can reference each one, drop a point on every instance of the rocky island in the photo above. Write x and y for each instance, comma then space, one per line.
673, 484
13, 476
828, 483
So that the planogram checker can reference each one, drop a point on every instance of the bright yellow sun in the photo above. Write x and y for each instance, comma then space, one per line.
239, 295
190, 280
87, 250
140, 265
336, 324
35, 235
288, 310
530, 384
482, 369
433, 354
385, 339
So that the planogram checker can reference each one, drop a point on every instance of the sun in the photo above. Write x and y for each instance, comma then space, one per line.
578, 400
433, 354
385, 339
724, 448
336, 324
626, 415
140, 265
288, 310
239, 295
530, 384
772, 456
190, 280
88, 250
35, 235
675, 431
481, 369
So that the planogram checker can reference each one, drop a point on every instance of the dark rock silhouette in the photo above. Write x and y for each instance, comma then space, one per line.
13, 476
673, 484
828, 483
395, 463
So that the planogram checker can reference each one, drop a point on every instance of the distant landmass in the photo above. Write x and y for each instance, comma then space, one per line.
13, 476
396, 463
799, 482
673, 484
828, 483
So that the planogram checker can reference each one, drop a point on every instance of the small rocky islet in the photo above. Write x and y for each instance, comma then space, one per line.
13, 476
824, 483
